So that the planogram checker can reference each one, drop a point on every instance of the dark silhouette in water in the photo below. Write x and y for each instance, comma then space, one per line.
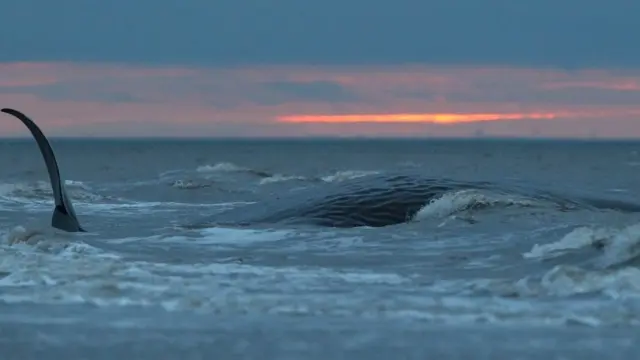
374, 200
64, 216
380, 200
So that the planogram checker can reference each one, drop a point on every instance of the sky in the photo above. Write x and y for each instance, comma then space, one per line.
254, 68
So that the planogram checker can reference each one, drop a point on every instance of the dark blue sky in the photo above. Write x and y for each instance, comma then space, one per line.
560, 33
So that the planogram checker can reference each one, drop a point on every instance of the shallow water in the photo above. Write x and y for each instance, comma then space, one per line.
515, 277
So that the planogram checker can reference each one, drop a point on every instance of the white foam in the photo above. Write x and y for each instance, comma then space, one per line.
619, 245
140, 207
78, 273
216, 236
280, 178
560, 283
75, 273
190, 184
59, 268
242, 237
457, 201
176, 239
623, 247
221, 167
566, 280
344, 175
577, 239
614, 277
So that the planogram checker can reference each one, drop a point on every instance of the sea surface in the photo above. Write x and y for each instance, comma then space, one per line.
474, 275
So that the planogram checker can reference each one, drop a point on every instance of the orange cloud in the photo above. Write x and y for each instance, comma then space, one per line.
434, 118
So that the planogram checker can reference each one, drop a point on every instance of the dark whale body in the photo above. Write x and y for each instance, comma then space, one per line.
377, 201
374, 200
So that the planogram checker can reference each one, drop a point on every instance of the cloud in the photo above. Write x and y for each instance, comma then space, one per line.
565, 34
433, 118
312, 91
122, 100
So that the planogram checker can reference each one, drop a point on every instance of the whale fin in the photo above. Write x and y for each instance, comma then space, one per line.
64, 216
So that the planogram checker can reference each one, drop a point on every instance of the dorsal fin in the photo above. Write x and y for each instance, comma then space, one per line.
64, 216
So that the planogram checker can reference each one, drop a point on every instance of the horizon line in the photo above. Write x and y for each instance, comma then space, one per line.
332, 138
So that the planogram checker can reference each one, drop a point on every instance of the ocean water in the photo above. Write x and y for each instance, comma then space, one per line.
474, 275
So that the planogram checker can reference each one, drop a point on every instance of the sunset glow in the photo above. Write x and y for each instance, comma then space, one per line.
114, 100
433, 118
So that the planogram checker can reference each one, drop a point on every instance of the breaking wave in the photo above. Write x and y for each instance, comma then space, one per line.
454, 202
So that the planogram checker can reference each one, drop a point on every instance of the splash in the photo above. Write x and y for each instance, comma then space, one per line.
465, 200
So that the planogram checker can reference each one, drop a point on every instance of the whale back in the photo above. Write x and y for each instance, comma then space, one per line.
64, 215
372, 200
